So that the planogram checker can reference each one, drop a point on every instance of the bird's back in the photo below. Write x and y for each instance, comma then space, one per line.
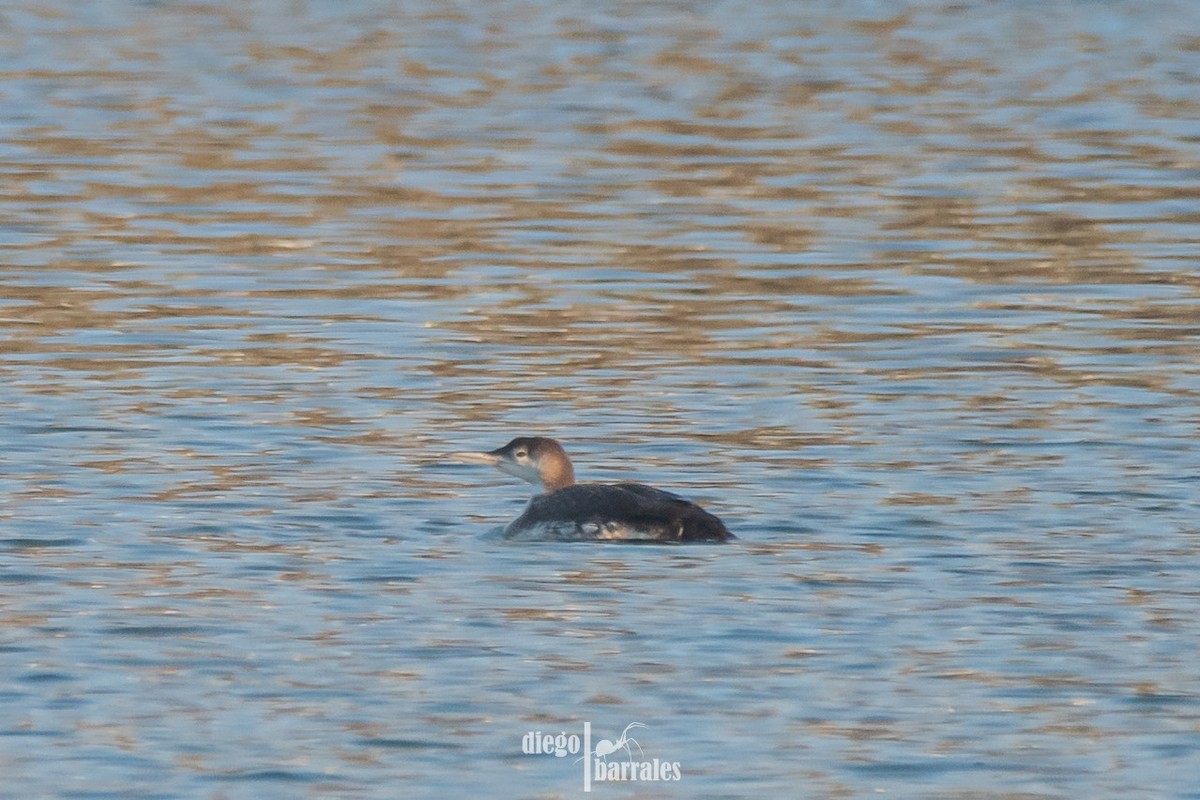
617, 511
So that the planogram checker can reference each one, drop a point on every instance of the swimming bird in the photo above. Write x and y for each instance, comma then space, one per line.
570, 511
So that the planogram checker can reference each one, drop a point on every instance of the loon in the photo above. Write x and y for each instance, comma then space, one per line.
570, 511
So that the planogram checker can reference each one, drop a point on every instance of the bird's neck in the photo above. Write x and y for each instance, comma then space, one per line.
558, 475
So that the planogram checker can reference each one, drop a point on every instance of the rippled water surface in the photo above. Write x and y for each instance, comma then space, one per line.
907, 293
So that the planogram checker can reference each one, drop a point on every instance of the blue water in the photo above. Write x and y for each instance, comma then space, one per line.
905, 293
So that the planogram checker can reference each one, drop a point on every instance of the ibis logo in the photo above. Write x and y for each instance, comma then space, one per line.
605, 760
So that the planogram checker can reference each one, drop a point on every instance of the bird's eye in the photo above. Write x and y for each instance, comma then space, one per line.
522, 454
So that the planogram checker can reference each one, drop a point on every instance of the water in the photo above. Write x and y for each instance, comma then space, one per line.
906, 293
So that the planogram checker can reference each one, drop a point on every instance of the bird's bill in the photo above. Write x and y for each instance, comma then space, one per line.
500, 460
491, 459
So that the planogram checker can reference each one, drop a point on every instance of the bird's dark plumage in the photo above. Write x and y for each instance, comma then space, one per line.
624, 511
